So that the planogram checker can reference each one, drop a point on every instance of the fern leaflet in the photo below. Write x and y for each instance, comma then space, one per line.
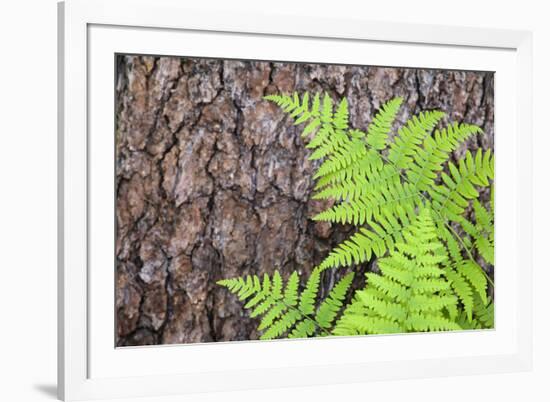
288, 311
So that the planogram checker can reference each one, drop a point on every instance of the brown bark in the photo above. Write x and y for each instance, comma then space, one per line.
213, 182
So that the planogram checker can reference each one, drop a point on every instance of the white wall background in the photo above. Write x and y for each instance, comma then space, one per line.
28, 199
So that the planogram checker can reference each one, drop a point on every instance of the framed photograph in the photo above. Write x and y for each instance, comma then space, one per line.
252, 201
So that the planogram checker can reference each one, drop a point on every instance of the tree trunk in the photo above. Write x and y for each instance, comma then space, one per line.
213, 182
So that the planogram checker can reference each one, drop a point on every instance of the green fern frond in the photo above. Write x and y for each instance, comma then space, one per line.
410, 294
381, 193
285, 310
381, 124
484, 313
383, 209
291, 292
327, 129
376, 239
474, 274
468, 280
452, 198
372, 203
347, 153
341, 115
428, 160
372, 193
479, 235
330, 307
463, 290
484, 316
485, 239
358, 182
308, 296
299, 110
411, 136
365, 167
332, 141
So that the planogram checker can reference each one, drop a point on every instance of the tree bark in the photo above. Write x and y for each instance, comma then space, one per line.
213, 182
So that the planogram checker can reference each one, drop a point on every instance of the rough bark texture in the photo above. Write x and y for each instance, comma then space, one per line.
213, 182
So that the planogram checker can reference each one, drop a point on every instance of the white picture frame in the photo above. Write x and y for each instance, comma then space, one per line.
89, 365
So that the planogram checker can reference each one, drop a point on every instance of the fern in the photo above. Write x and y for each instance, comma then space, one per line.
467, 278
411, 137
286, 311
407, 201
452, 197
411, 293
382, 123
484, 233
379, 193
484, 316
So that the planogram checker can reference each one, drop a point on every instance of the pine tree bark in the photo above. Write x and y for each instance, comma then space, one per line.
213, 182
